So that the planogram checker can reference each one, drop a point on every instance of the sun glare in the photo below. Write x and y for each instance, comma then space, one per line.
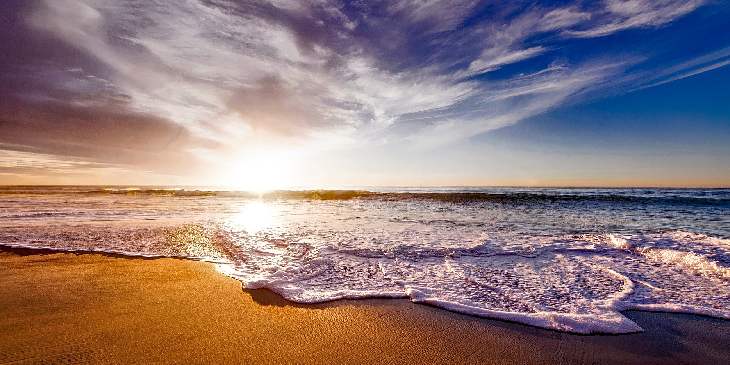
261, 171
255, 216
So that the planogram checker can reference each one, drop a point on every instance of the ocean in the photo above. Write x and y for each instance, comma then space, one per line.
563, 259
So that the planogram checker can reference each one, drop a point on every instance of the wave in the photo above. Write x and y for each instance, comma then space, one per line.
182, 192
543, 257
571, 290
702, 197
527, 198
694, 262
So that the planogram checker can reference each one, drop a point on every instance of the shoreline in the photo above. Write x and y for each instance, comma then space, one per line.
31, 251
101, 307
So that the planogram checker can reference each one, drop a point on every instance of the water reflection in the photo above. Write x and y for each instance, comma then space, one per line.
255, 216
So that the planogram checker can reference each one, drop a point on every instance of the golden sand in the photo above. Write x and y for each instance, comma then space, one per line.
68, 308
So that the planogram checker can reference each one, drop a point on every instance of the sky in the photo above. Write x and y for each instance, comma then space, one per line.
322, 93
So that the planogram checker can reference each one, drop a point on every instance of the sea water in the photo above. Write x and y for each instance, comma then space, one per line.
563, 259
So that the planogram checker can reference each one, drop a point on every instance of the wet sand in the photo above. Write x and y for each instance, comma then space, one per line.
82, 308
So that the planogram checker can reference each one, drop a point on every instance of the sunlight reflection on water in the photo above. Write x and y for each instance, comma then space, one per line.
255, 216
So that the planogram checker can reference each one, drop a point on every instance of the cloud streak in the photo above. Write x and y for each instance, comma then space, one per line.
693, 67
218, 74
618, 15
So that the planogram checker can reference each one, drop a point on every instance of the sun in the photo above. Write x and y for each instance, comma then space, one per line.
262, 170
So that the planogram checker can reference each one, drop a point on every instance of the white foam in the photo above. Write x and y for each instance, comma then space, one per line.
680, 308
619, 242
607, 322
687, 260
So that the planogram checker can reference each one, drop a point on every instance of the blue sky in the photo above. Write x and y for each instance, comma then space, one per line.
329, 93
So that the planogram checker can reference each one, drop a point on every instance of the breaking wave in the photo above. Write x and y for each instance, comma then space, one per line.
719, 197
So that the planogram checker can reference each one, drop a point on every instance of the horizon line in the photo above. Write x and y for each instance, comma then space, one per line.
351, 187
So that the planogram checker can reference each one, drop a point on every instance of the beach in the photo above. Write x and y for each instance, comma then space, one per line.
364, 182
82, 308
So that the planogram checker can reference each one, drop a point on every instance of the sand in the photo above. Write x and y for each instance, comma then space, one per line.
89, 308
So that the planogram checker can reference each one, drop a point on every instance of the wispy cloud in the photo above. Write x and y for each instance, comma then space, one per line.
506, 102
210, 76
439, 15
693, 67
618, 15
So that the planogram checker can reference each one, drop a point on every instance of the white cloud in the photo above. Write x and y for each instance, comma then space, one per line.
563, 18
230, 73
625, 14
693, 67
494, 58
187, 62
442, 15
505, 103
505, 43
